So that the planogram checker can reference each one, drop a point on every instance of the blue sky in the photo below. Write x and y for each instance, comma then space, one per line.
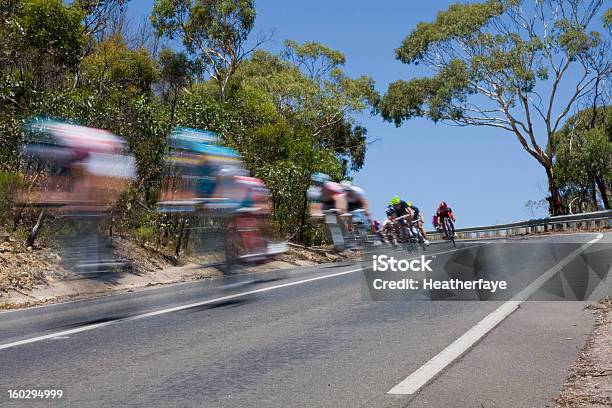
483, 173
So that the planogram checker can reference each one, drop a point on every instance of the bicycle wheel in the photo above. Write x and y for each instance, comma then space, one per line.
448, 231
419, 237
409, 240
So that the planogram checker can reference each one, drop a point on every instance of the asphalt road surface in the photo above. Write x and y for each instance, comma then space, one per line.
313, 337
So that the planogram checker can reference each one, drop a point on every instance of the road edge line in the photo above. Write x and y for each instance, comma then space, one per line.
428, 371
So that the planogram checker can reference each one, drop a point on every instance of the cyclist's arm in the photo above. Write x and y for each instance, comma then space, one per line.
410, 212
316, 209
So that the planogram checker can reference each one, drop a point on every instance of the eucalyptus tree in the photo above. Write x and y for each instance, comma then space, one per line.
518, 66
583, 159
214, 32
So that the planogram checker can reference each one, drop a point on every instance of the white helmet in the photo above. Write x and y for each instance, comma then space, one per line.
347, 185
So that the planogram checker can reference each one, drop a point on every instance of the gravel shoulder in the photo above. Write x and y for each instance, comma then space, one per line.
589, 383
34, 276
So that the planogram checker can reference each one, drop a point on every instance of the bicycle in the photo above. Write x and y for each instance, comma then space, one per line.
410, 233
335, 228
359, 227
449, 230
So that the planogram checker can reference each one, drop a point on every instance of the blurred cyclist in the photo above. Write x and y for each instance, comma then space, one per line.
325, 195
86, 171
88, 167
356, 202
200, 171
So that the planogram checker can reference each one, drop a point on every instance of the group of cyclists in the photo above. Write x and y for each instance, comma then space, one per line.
404, 220
88, 170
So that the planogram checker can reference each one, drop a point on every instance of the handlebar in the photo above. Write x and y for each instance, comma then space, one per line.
405, 217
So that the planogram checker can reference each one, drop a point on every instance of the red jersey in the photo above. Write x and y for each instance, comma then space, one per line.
445, 213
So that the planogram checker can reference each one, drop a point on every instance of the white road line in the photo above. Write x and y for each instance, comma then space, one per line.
433, 367
169, 310
183, 307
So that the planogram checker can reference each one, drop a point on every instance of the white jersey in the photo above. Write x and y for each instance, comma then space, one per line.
354, 195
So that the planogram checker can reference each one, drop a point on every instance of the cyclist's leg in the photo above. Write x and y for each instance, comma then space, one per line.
450, 228
422, 229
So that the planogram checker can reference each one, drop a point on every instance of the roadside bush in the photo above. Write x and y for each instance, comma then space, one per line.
10, 183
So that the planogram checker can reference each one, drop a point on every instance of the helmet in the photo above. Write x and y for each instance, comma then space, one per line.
346, 185
443, 204
410, 203
319, 178
394, 201
194, 140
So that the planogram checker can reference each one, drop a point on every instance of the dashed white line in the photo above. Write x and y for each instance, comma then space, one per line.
433, 367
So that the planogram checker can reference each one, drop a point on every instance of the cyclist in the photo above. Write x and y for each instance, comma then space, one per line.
398, 208
355, 201
387, 230
325, 195
444, 211
419, 219
435, 223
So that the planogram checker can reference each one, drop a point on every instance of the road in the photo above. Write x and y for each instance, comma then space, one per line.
311, 337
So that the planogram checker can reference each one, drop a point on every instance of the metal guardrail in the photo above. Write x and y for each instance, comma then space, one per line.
562, 223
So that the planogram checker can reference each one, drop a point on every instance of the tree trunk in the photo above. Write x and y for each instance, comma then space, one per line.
172, 111
179, 240
555, 202
594, 195
602, 191
36, 229
303, 219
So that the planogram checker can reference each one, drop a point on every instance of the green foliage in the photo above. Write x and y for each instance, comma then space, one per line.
213, 32
405, 100
53, 28
289, 114
584, 153
197, 22
459, 21
175, 71
144, 234
10, 183
113, 64
317, 59
501, 64
607, 18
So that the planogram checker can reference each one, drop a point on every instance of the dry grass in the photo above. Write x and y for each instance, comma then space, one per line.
589, 383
